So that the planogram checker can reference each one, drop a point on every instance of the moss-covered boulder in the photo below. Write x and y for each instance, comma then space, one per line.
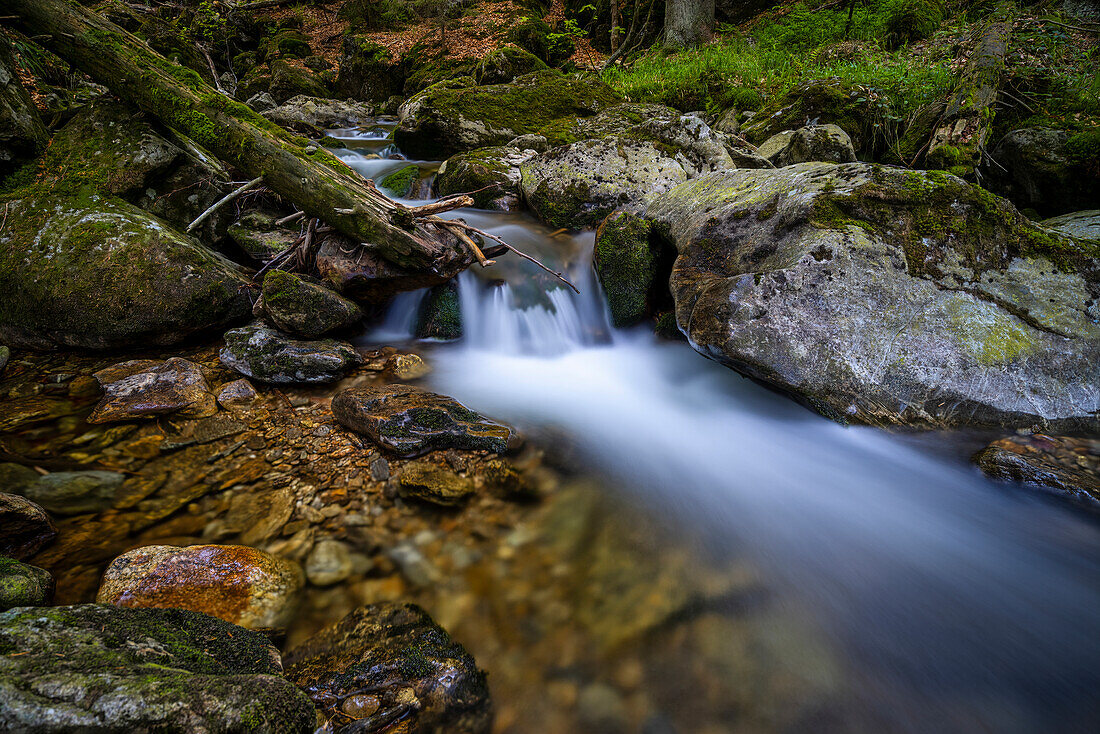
410, 421
1064, 466
93, 272
491, 174
403, 182
812, 143
1051, 171
456, 116
22, 134
629, 262
880, 295
577, 185
391, 662
23, 586
505, 64
271, 356
97, 668
302, 306
368, 71
440, 314
259, 237
820, 101
283, 80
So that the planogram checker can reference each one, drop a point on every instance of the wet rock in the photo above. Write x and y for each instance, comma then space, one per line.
270, 356
96, 668
814, 143
259, 237
456, 116
25, 528
328, 563
23, 586
505, 64
410, 421
317, 112
1082, 225
1064, 466
145, 389
237, 394
440, 314
402, 183
303, 307
410, 666
885, 296
1039, 168
628, 262
66, 265
407, 366
365, 276
436, 484
492, 173
74, 492
245, 586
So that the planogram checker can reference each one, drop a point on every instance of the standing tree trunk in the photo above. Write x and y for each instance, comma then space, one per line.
616, 32
310, 177
688, 23
959, 136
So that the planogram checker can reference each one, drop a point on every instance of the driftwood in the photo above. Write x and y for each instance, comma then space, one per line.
958, 138
310, 177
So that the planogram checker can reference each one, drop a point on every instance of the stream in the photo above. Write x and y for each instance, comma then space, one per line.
901, 590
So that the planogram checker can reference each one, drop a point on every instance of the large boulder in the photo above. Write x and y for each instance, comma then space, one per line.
456, 116
271, 356
505, 64
1051, 171
386, 663
410, 421
1082, 225
365, 276
623, 164
880, 295
368, 71
96, 668
93, 272
303, 307
245, 586
318, 113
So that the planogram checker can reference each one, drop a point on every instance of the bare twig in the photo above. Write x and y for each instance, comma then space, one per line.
443, 205
290, 218
223, 201
460, 232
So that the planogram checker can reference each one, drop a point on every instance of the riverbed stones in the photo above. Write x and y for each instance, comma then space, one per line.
245, 586
884, 296
1065, 466
300, 306
98, 273
25, 528
74, 492
271, 356
434, 483
98, 668
410, 421
147, 388
455, 116
23, 586
328, 563
409, 666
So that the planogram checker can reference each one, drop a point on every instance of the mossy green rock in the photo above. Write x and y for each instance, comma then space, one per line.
94, 272
819, 101
271, 356
435, 483
304, 307
23, 586
456, 116
491, 174
22, 134
410, 421
401, 182
885, 296
626, 263
99, 668
368, 71
440, 315
259, 237
418, 674
505, 64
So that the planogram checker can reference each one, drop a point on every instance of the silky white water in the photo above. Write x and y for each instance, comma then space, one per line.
963, 604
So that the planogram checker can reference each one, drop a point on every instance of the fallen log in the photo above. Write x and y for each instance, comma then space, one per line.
959, 136
310, 177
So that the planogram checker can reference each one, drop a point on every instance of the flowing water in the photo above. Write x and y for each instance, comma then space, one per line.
950, 602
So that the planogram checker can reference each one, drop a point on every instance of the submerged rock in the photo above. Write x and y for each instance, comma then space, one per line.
880, 295
237, 394
434, 483
98, 273
1064, 466
270, 356
97, 668
245, 586
387, 663
410, 421
300, 306
23, 586
74, 492
25, 528
146, 388
456, 116
328, 563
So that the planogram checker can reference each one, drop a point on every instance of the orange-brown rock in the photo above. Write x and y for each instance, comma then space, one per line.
146, 388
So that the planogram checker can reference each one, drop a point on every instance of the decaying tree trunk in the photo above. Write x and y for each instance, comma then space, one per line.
688, 23
310, 177
959, 136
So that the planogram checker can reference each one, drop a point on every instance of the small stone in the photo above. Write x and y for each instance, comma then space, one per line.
413, 565
241, 585
434, 483
407, 367
360, 706
26, 527
237, 394
144, 389
23, 586
271, 356
75, 492
328, 563
380, 469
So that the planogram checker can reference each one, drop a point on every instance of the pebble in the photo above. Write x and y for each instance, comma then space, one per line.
328, 563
